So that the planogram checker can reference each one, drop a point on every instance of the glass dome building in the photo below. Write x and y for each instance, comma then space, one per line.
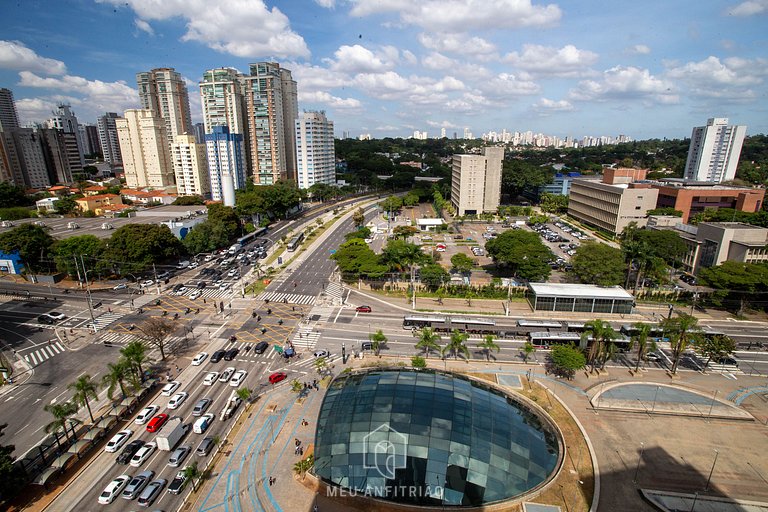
431, 438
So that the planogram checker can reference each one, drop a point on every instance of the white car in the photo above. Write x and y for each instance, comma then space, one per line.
199, 358
169, 388
121, 286
141, 456
195, 294
232, 273
194, 264
223, 286
118, 440
177, 399
227, 374
148, 282
210, 378
208, 257
113, 489
322, 353
238, 378
181, 291
146, 414
369, 240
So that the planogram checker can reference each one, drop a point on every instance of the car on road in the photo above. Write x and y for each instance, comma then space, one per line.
202, 423
223, 286
232, 273
169, 388
129, 451
201, 406
363, 309
181, 290
148, 282
137, 484
238, 378
210, 378
653, 357
369, 240
727, 360
195, 294
277, 377
145, 414
201, 285
178, 455
260, 347
121, 286
227, 374
205, 447
118, 440
178, 482
366, 345
177, 399
151, 492
157, 422
45, 318
113, 489
199, 358
322, 353
231, 354
216, 357
141, 456
208, 257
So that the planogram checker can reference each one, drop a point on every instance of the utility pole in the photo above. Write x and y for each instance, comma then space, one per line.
413, 287
157, 282
77, 268
88, 292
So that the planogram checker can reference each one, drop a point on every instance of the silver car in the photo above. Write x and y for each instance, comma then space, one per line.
178, 455
136, 485
151, 493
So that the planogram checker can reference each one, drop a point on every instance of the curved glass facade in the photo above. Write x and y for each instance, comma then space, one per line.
430, 438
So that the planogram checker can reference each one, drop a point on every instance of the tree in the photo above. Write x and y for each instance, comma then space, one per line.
66, 205
11, 479
682, 330
565, 360
404, 231
554, 203
378, 341
358, 218
62, 414
244, 394
602, 347
715, 347
600, 264
400, 256
418, 362
192, 473
32, 242
528, 349
304, 465
411, 199
296, 386
434, 275
391, 204
154, 331
456, 344
429, 341
11, 195
116, 377
666, 211
321, 365
321, 191
737, 284
522, 252
137, 246
355, 258
519, 175
135, 355
487, 345
188, 201
462, 263
85, 391
67, 251
642, 340
361, 233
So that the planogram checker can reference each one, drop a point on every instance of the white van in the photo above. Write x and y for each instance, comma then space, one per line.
202, 424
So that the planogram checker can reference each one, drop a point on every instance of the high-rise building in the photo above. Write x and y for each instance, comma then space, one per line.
65, 119
315, 151
89, 134
163, 91
272, 108
714, 151
442, 133
61, 155
9, 118
190, 166
110, 145
222, 99
199, 131
226, 163
144, 149
476, 182
23, 152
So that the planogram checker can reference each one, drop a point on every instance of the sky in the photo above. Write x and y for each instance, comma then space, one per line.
645, 69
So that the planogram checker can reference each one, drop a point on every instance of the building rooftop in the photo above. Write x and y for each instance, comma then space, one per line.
579, 290
734, 225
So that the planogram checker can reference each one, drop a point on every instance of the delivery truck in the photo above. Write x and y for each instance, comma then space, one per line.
171, 434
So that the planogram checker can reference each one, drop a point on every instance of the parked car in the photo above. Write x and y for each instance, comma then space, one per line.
137, 484
118, 440
113, 489
199, 358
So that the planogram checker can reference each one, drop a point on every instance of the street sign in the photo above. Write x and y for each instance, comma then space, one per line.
279, 350
332, 251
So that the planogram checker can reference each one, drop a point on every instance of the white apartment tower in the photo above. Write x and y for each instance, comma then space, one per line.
164, 92
190, 166
315, 152
223, 101
476, 182
65, 119
145, 149
714, 151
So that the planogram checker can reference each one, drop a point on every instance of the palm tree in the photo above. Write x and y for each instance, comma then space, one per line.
304, 465
682, 330
642, 341
62, 414
487, 345
528, 349
192, 473
457, 344
321, 365
116, 376
296, 386
602, 347
244, 394
135, 354
429, 341
85, 390
378, 341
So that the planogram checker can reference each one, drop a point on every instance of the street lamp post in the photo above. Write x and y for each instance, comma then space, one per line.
88, 293
639, 460
711, 471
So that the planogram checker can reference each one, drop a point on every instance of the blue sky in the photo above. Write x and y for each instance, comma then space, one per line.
389, 67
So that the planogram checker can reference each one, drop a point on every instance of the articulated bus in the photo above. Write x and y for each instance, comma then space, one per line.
656, 333
546, 339
295, 242
449, 323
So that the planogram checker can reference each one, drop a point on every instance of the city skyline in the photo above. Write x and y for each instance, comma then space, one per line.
390, 68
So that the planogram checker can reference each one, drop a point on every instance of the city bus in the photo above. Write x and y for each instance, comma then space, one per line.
441, 323
545, 339
295, 242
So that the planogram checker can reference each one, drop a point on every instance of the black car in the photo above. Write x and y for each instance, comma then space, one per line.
231, 354
261, 347
201, 285
177, 484
129, 451
45, 319
177, 287
216, 357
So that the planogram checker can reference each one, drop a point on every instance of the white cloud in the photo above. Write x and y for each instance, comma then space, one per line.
749, 8
35, 109
358, 59
457, 43
414, 90
508, 85
546, 60
462, 15
468, 103
638, 49
731, 79
316, 78
547, 105
328, 4
243, 28
438, 61
410, 58
442, 124
330, 100
625, 83
15, 55
144, 26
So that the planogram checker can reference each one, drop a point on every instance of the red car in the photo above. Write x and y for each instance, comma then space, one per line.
277, 377
157, 422
363, 309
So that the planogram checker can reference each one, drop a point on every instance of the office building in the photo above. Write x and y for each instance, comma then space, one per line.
61, 155
163, 91
714, 151
190, 166
9, 117
226, 164
110, 146
692, 197
476, 182
90, 137
198, 130
315, 151
65, 119
144, 149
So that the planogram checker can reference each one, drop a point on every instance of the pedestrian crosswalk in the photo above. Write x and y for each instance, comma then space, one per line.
115, 338
308, 362
289, 298
42, 354
306, 337
105, 319
334, 290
